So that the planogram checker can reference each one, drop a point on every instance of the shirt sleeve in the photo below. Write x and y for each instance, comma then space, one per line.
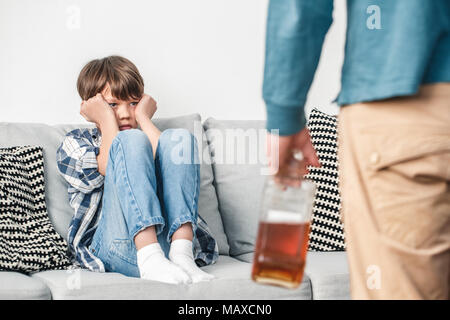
206, 250
295, 33
77, 163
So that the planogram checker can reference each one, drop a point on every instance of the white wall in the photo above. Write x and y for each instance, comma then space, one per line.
202, 56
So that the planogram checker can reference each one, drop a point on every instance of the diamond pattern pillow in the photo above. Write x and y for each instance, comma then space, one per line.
28, 240
326, 233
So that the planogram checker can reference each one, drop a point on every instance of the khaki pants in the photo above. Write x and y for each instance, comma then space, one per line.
394, 167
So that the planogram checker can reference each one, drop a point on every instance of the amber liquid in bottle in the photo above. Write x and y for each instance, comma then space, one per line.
280, 253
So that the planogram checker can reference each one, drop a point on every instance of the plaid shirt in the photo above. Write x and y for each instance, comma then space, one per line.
77, 163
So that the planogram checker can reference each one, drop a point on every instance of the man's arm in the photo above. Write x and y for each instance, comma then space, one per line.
295, 33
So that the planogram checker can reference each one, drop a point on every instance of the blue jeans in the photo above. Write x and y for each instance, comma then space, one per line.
142, 191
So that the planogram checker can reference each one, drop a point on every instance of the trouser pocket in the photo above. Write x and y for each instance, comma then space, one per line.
406, 169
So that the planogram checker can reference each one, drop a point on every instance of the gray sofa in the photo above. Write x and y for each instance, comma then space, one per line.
231, 187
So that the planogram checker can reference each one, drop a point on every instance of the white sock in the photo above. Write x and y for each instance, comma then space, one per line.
181, 254
153, 265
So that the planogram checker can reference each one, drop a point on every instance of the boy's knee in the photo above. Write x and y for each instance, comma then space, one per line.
180, 145
133, 138
172, 137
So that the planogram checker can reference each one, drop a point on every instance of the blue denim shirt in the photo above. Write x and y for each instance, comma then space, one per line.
392, 47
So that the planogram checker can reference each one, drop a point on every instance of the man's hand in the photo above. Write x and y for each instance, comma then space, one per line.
145, 109
96, 110
282, 159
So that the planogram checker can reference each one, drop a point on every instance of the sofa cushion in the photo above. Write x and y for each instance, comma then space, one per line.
232, 282
60, 212
327, 271
17, 286
329, 275
238, 155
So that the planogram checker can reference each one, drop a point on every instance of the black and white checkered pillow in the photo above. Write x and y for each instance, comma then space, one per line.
326, 233
28, 240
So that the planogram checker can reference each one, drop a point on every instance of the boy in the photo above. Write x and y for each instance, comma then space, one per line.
125, 220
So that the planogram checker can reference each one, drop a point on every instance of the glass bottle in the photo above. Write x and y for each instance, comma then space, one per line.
284, 222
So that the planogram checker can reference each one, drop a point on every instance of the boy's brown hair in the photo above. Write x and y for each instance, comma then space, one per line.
120, 73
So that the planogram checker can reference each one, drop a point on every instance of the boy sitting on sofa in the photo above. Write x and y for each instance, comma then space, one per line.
135, 206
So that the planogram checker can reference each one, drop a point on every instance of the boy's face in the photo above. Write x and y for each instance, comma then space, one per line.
124, 110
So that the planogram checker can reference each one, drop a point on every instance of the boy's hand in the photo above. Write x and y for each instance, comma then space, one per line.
96, 110
146, 108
